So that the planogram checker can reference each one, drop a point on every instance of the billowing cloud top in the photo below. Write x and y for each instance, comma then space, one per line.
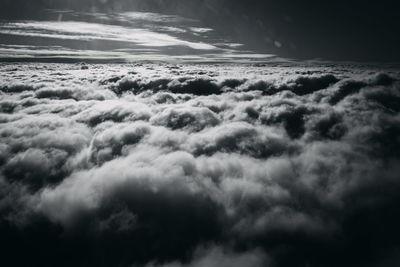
199, 165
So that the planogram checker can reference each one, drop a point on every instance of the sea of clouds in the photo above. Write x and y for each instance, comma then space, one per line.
199, 165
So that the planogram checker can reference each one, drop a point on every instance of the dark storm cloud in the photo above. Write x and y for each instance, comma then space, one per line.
132, 166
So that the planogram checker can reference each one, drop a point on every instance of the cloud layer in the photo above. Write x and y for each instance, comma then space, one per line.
199, 165
72, 36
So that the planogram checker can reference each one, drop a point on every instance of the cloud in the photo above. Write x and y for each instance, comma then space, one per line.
242, 138
36, 168
112, 37
167, 165
16, 88
215, 256
112, 141
193, 118
86, 31
196, 86
114, 110
74, 93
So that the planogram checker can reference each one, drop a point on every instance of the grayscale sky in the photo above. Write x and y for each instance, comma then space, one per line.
200, 30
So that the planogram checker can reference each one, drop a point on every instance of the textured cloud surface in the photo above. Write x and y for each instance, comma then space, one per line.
199, 165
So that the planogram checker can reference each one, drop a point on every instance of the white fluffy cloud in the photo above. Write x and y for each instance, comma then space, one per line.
279, 166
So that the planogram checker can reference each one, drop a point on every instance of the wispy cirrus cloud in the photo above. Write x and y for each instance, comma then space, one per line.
125, 36
85, 31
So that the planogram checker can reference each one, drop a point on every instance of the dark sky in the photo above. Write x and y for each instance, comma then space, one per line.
351, 30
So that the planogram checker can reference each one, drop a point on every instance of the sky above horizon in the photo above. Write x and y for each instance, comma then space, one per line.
124, 36
199, 30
